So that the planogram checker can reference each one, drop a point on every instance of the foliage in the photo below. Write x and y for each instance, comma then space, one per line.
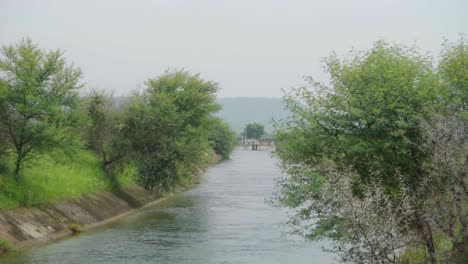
166, 128
360, 144
447, 136
453, 68
254, 130
102, 126
161, 138
38, 91
222, 138
366, 119
75, 228
6, 246
447, 183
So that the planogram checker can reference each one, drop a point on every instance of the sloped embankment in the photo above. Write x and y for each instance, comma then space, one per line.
27, 226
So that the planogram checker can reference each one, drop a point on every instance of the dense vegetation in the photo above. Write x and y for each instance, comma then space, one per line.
222, 138
55, 144
379, 158
166, 128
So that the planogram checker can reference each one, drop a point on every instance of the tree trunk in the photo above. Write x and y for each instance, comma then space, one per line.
19, 159
425, 232
430, 244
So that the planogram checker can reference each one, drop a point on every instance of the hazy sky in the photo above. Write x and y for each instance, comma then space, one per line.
251, 48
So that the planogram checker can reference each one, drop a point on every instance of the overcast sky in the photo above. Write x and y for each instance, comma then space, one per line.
251, 48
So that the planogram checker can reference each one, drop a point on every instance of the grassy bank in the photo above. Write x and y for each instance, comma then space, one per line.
417, 254
46, 180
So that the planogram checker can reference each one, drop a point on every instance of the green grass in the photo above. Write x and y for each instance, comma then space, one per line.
45, 180
6, 245
126, 175
418, 254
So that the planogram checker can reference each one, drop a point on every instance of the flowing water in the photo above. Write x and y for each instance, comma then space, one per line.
225, 219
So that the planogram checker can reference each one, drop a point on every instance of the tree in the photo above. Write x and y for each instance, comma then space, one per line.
222, 138
102, 126
166, 127
453, 72
365, 128
38, 92
447, 183
254, 130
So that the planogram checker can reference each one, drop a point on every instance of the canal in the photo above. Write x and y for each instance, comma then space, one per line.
225, 219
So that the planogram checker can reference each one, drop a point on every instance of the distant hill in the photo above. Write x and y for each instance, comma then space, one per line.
239, 111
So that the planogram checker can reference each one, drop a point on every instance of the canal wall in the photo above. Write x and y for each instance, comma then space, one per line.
25, 227
28, 226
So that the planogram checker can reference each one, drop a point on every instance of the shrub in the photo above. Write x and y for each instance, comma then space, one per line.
75, 228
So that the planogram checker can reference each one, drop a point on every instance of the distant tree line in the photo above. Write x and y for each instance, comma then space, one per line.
165, 131
377, 161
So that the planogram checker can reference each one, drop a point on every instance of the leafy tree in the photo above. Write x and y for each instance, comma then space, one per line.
453, 71
447, 183
166, 127
365, 128
254, 130
222, 138
102, 126
38, 92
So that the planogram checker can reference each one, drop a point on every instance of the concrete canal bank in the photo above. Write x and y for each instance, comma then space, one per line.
28, 226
